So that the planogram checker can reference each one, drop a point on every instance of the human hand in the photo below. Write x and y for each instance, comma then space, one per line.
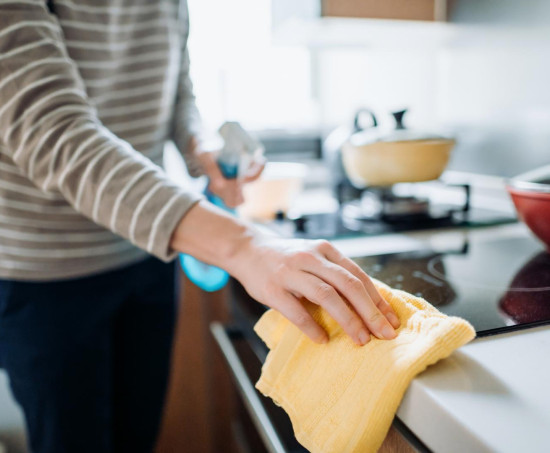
229, 190
279, 272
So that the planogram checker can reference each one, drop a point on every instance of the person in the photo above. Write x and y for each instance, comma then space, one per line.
90, 92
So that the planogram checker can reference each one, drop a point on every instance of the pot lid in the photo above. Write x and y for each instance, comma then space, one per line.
405, 135
365, 136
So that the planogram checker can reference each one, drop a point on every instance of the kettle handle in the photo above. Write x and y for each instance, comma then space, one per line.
357, 123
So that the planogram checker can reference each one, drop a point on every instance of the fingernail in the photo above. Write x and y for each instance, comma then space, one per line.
388, 333
394, 320
364, 337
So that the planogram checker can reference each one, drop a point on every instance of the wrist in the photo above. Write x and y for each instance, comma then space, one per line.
214, 237
242, 254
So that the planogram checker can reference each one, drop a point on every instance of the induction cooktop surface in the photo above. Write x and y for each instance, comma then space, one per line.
498, 284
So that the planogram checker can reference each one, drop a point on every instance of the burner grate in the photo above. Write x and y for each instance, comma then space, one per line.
384, 205
375, 211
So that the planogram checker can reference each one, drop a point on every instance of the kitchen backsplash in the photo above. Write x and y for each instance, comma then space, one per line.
486, 82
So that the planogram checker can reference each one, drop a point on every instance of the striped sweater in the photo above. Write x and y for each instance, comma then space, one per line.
88, 97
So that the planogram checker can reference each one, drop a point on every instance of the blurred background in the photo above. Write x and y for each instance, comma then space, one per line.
277, 66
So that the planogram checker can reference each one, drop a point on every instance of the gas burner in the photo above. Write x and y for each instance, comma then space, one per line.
386, 207
374, 205
383, 205
376, 211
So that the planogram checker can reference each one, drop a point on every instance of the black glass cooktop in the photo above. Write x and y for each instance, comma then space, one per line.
497, 285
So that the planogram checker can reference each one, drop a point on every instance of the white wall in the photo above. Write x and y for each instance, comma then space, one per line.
484, 76
495, 77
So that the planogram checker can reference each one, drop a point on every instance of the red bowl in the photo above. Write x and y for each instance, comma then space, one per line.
532, 201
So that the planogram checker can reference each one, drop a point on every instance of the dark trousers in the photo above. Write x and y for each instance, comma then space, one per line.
88, 358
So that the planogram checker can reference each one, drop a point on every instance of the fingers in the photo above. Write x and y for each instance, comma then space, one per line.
354, 288
332, 254
255, 170
229, 190
210, 165
292, 309
354, 291
323, 294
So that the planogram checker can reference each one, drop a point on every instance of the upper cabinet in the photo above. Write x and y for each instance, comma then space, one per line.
381, 23
427, 10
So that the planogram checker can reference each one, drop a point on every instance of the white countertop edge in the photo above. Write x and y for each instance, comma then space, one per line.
489, 396
435, 240
436, 428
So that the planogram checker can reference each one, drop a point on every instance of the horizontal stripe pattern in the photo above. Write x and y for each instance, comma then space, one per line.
88, 99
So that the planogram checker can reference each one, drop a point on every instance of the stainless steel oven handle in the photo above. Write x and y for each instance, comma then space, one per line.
246, 389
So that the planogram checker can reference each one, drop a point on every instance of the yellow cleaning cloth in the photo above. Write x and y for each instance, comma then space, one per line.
341, 397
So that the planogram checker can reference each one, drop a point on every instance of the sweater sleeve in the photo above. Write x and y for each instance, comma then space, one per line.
50, 130
187, 119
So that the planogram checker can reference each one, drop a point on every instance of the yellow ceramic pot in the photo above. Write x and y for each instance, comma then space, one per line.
386, 162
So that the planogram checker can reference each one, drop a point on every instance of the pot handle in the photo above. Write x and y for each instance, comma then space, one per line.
357, 121
398, 116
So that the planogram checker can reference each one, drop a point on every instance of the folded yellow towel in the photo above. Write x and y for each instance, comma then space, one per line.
341, 397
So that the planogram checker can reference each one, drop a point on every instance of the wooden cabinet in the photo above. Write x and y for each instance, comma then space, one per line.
201, 399
307, 10
429, 10
381, 24
396, 443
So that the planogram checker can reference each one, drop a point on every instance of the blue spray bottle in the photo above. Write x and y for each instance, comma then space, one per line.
238, 151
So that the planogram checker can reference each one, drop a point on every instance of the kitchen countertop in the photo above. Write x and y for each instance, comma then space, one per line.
492, 394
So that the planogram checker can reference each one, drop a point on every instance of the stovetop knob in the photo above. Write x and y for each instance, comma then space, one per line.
300, 224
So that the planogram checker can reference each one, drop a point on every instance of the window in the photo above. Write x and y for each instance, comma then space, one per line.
240, 75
